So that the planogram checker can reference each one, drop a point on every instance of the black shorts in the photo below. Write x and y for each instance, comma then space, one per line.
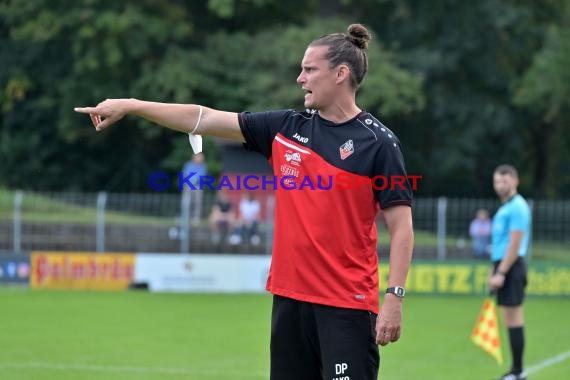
512, 292
317, 342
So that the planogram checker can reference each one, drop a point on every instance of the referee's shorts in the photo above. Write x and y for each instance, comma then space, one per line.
318, 342
512, 292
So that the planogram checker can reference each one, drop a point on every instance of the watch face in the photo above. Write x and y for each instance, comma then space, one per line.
397, 290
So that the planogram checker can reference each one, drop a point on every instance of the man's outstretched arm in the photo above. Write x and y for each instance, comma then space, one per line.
187, 118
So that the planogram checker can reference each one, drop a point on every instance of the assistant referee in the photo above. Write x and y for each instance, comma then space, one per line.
510, 239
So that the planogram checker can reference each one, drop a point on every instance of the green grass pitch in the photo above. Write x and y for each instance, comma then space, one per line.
136, 335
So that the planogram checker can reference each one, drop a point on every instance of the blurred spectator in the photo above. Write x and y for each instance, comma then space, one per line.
197, 168
480, 232
221, 218
248, 220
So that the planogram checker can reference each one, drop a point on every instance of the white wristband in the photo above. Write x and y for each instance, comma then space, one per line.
198, 122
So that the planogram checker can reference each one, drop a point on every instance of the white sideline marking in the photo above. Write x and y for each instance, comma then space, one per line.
185, 371
548, 362
101, 368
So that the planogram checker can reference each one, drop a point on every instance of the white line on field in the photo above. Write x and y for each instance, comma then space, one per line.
184, 371
548, 362
105, 368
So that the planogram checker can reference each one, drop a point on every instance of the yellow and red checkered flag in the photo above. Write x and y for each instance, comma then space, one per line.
486, 331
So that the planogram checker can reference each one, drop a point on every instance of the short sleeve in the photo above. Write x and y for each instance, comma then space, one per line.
519, 219
259, 129
390, 182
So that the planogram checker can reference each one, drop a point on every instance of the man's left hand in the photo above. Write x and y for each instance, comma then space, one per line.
389, 321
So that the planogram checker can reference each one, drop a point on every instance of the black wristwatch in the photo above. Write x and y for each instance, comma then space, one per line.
398, 291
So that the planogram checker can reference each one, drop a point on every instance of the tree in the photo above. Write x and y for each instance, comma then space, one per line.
59, 55
545, 90
265, 78
465, 85
471, 55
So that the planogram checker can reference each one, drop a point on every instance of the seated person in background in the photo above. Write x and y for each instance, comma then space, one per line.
480, 232
221, 218
248, 220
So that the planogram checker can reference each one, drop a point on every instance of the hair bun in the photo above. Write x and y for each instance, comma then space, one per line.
359, 35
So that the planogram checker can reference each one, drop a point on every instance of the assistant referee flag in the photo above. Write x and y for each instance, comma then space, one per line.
486, 331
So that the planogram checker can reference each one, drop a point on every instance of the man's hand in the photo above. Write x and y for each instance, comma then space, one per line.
106, 113
389, 321
496, 281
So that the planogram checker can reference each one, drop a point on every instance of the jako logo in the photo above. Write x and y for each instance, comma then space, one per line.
300, 138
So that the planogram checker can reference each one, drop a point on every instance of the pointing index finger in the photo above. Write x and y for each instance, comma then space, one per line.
85, 109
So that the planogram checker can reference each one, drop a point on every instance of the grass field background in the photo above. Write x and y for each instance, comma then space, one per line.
137, 335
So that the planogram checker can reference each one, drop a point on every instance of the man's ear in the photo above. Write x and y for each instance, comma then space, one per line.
516, 181
342, 74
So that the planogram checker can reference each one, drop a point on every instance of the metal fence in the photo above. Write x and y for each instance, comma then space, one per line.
159, 222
